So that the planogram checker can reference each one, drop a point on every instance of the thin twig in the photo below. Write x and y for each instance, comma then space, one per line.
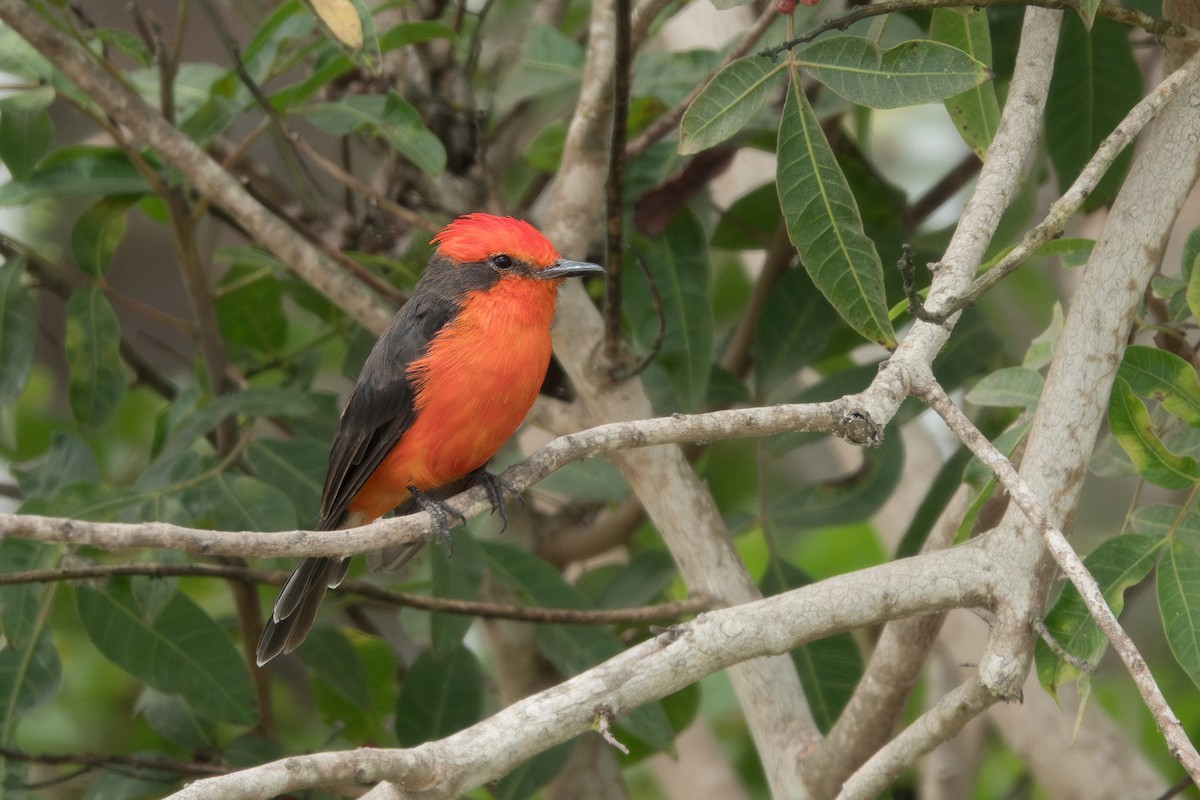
1064, 208
935, 726
622, 372
108, 761
670, 120
1061, 652
931, 392
614, 340
371, 591
837, 416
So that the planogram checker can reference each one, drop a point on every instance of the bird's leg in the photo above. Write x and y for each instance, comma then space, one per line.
441, 516
495, 486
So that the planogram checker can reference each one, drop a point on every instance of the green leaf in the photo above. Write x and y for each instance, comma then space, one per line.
171, 718
571, 648
98, 231
284, 24
180, 651
728, 102
459, 578
294, 466
18, 57
750, 223
913, 72
389, 116
1096, 81
1166, 377
442, 694
1129, 422
1190, 260
1164, 520
234, 502
1073, 251
331, 656
1179, 603
67, 460
642, 580
793, 329
1117, 564
823, 222
255, 401
829, 668
1087, 11
535, 773
849, 500
30, 675
1008, 387
678, 262
18, 330
1041, 349
552, 62
976, 111
26, 131
76, 172
19, 602
93, 352
249, 306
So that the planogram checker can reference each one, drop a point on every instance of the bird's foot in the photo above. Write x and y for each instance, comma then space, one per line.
441, 513
495, 486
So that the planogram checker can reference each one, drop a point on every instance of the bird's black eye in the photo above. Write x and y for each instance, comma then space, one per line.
502, 261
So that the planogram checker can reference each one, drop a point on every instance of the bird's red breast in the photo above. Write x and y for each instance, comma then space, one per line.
473, 387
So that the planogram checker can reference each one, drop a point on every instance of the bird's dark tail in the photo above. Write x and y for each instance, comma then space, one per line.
296, 608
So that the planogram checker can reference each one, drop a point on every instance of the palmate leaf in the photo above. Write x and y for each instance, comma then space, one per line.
178, 650
1130, 424
389, 116
679, 263
93, 340
1008, 387
1178, 584
1117, 564
441, 694
1096, 81
98, 231
1166, 377
74, 172
976, 111
727, 102
824, 224
913, 72
26, 131
18, 329
829, 667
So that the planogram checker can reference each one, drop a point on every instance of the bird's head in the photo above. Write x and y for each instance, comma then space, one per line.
508, 245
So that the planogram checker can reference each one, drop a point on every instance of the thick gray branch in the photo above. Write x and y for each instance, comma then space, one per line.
715, 640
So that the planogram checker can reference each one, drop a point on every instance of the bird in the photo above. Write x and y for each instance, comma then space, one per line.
447, 383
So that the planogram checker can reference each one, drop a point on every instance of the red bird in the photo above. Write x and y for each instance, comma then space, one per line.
446, 385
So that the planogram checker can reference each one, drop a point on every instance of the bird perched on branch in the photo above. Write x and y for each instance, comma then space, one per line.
447, 383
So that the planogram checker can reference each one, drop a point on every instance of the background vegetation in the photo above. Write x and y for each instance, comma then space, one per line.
214, 207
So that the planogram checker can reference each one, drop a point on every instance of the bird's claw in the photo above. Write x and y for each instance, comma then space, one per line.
495, 486
441, 513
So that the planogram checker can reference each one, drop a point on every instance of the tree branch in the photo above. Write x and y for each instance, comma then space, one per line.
715, 640
558, 453
935, 726
1071, 565
659, 612
1064, 208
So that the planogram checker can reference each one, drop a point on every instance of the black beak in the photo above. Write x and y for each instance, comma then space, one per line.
566, 269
